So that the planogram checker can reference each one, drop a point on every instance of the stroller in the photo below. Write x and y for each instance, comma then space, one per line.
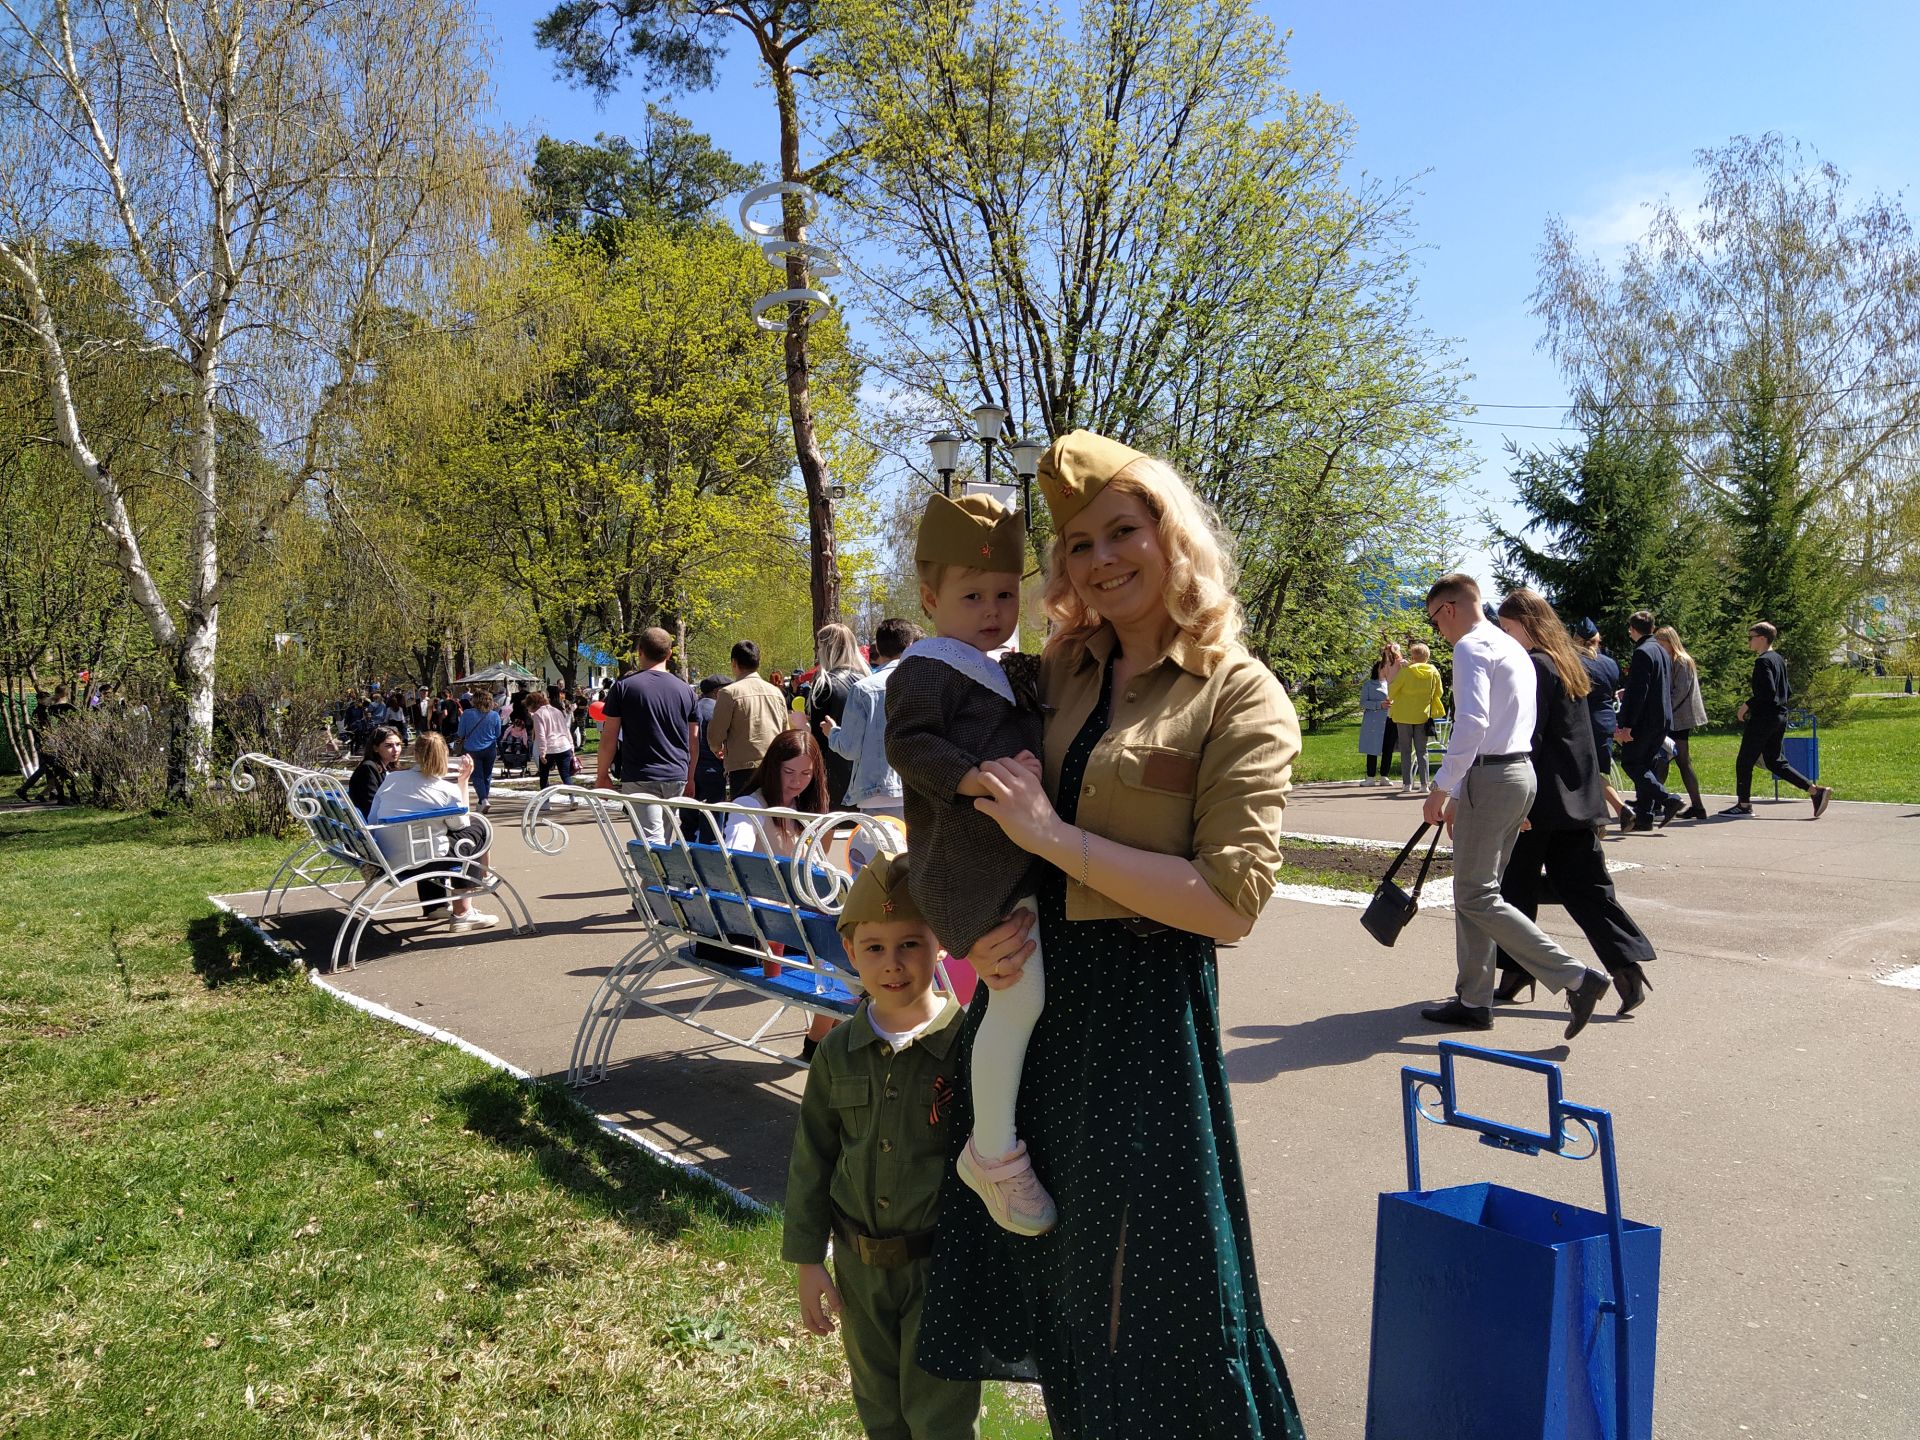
516, 750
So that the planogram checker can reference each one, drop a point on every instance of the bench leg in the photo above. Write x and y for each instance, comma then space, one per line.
594, 1041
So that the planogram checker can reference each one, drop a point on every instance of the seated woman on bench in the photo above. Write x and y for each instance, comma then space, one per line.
426, 787
792, 776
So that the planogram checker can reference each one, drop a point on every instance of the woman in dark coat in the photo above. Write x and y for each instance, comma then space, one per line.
1167, 754
1558, 838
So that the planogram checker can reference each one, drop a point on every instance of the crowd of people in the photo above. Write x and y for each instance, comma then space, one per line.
1643, 719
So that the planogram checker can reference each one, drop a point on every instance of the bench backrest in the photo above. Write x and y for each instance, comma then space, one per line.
752, 903
322, 804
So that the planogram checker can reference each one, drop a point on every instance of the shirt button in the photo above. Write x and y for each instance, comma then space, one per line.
1087, 791
883, 1202
886, 1147
893, 1094
1131, 695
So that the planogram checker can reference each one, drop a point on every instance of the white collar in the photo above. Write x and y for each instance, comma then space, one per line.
982, 669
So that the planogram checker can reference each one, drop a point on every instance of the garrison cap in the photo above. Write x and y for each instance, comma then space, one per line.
879, 894
976, 531
1076, 468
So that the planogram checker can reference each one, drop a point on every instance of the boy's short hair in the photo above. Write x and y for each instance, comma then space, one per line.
895, 637
1641, 622
1419, 654
746, 655
1765, 631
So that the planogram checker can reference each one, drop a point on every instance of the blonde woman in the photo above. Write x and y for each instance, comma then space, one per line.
1414, 697
427, 787
841, 667
1689, 714
1167, 755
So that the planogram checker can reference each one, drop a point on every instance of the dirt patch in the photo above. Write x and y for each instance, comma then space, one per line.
1351, 867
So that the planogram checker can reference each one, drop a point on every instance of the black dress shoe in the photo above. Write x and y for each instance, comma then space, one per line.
1467, 1017
1671, 811
1511, 984
1821, 795
1627, 819
1632, 983
1582, 998
1694, 812
1639, 827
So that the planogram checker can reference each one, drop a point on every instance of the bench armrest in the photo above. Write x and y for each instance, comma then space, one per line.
443, 813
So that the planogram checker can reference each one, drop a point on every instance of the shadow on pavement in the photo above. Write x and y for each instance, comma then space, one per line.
1338, 1039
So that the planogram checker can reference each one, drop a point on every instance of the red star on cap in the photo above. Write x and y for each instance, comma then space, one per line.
986, 552
887, 908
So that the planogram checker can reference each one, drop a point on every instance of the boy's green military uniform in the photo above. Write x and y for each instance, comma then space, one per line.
869, 1157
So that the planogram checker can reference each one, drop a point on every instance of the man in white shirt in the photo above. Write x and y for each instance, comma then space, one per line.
1485, 788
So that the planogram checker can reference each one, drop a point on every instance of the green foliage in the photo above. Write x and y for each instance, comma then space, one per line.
1770, 335
674, 173
606, 441
1134, 225
1784, 563
1619, 532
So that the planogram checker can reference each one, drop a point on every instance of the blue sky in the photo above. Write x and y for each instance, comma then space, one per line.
1509, 113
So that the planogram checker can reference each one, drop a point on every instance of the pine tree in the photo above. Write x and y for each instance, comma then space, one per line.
1783, 557
1618, 533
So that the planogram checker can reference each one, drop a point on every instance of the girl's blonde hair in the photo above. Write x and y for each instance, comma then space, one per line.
430, 754
1419, 654
1201, 570
836, 649
1670, 637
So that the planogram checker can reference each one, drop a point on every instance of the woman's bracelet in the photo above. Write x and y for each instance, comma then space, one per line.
1083, 857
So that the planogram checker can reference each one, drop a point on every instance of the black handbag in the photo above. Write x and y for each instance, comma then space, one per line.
1391, 908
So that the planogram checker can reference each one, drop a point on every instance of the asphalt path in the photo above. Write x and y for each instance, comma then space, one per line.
1764, 1097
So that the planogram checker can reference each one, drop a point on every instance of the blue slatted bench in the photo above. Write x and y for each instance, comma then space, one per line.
713, 918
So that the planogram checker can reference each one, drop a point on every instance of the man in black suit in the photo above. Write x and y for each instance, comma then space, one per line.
1646, 714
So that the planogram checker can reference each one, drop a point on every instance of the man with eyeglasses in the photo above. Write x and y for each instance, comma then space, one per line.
1485, 788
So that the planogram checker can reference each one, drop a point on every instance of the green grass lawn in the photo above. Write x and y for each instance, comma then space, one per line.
230, 1204
1874, 756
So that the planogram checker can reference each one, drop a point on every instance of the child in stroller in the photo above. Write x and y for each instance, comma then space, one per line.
516, 749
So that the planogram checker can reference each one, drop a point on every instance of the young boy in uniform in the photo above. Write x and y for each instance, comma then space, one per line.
869, 1156
951, 706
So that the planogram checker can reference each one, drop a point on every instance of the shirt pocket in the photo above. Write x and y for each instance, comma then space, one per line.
851, 1097
1153, 809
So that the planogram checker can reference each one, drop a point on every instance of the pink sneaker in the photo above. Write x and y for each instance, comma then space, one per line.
1011, 1191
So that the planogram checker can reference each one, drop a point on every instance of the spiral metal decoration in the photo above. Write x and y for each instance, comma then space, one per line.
770, 312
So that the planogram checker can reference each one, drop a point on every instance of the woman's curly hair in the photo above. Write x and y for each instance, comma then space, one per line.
1201, 569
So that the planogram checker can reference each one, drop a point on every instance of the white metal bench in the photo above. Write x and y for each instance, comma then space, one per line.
717, 921
343, 859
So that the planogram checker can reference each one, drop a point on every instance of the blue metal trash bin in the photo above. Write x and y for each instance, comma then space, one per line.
1495, 1312
1802, 752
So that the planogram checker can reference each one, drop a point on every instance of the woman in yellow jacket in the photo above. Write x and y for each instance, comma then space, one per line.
1415, 697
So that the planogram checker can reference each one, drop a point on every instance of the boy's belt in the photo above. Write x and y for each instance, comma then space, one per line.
883, 1252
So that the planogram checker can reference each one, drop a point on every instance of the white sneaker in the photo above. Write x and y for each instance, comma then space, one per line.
1011, 1191
473, 920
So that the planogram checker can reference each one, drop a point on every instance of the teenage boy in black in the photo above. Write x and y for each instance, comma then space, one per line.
1764, 715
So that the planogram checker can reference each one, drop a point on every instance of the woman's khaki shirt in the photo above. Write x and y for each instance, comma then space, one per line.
1196, 761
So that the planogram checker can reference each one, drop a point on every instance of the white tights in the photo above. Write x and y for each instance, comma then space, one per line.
1000, 1051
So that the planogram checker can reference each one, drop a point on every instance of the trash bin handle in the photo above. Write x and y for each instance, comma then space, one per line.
1561, 1113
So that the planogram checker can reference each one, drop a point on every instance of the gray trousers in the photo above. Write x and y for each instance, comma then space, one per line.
1486, 820
653, 819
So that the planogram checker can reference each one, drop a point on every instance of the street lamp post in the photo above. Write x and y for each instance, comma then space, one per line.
1026, 454
946, 458
989, 421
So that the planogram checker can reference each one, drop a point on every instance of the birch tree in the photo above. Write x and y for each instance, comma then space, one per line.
266, 180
